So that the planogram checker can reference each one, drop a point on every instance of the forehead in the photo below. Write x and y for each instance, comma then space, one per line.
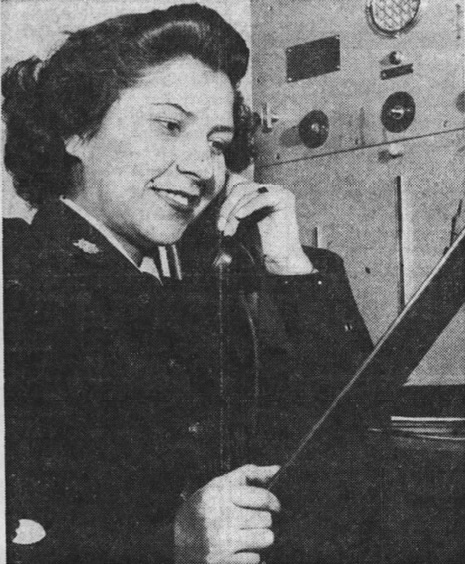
188, 83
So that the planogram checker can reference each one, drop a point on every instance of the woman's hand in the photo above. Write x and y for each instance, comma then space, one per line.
228, 521
277, 225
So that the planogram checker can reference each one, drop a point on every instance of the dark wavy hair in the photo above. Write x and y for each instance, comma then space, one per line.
71, 91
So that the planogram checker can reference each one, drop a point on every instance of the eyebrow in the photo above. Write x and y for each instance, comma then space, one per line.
215, 129
174, 105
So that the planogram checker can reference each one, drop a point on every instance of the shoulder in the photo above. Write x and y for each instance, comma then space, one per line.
16, 239
27, 255
20, 250
26, 277
58, 245
38, 268
14, 229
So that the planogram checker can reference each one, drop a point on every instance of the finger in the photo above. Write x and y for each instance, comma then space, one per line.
253, 539
245, 558
230, 227
239, 213
235, 194
251, 473
225, 557
271, 200
253, 519
241, 201
254, 498
250, 202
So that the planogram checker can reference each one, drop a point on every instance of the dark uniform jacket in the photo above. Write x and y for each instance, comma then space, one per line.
112, 383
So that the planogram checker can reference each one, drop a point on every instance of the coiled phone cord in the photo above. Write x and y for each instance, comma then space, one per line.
221, 264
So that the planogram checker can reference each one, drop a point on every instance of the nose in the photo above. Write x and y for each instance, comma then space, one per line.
196, 159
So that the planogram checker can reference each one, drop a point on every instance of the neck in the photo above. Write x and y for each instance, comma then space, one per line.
135, 253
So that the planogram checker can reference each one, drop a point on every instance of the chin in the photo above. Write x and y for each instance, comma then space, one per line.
168, 237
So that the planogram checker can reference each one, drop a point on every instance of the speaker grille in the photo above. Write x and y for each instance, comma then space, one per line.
391, 17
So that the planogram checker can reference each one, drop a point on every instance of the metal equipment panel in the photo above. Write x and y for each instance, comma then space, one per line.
425, 63
382, 199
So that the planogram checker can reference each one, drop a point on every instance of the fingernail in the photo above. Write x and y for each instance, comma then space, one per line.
221, 224
230, 229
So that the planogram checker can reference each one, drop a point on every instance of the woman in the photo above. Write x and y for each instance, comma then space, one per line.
122, 138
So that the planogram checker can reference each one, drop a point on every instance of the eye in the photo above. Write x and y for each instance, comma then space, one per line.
218, 147
171, 127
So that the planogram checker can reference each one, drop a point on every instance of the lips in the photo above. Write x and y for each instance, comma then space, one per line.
178, 199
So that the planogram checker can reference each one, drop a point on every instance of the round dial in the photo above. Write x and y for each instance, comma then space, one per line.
398, 112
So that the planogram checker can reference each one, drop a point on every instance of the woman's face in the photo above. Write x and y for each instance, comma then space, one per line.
157, 160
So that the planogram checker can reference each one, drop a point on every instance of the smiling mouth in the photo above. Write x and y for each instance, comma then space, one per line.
176, 198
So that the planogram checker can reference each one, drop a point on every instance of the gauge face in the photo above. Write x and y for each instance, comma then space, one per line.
391, 17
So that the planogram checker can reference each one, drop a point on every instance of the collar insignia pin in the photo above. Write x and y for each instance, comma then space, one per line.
87, 247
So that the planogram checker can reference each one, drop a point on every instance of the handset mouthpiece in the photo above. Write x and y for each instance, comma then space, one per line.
224, 257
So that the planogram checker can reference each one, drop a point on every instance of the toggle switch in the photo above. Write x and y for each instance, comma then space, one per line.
396, 58
265, 118
395, 150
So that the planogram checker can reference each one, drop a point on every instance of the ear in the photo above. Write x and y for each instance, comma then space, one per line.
75, 146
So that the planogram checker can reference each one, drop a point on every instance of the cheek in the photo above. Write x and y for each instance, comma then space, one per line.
134, 166
135, 149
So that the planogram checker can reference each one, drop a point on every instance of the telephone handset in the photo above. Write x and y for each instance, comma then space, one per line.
240, 254
205, 251
242, 251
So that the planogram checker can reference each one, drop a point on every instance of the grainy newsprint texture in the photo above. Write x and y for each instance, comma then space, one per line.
218, 220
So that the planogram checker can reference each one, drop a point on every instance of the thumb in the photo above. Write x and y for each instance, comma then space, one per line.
251, 474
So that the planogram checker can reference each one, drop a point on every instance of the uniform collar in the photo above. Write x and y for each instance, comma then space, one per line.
107, 233
64, 230
167, 264
71, 229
